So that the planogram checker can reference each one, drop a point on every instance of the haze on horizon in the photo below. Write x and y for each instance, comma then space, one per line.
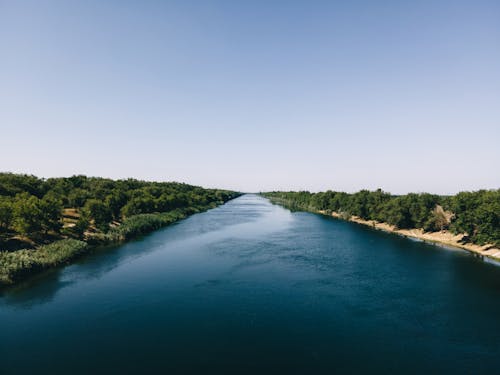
266, 95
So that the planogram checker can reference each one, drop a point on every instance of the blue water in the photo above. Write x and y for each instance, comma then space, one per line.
250, 287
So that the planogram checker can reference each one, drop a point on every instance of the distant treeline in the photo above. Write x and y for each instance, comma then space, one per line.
81, 210
476, 214
33, 207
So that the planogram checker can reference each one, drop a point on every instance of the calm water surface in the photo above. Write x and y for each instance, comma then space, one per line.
250, 287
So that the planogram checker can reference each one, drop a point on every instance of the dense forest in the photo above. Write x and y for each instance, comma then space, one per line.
44, 222
476, 214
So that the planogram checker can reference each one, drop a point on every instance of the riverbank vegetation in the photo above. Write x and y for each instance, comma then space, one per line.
46, 222
475, 214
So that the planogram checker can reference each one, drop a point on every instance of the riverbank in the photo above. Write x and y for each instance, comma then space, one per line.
16, 266
425, 216
443, 237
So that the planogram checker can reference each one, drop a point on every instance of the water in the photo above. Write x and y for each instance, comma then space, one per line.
250, 287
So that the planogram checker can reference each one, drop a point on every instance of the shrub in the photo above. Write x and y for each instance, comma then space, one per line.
16, 263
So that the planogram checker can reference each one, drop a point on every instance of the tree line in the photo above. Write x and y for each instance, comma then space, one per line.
34, 208
477, 214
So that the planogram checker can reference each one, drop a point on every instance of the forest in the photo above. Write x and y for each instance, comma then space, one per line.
476, 214
45, 222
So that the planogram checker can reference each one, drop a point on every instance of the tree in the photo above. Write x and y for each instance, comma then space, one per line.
50, 214
27, 214
6, 212
81, 225
115, 201
99, 212
139, 205
439, 220
77, 197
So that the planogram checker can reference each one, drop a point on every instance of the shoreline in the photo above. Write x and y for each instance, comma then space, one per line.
64, 251
444, 237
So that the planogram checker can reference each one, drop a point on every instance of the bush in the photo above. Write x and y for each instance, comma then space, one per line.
16, 263
143, 223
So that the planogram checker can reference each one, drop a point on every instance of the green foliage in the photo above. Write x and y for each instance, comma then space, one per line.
6, 212
77, 197
139, 205
476, 214
102, 211
144, 223
30, 216
32, 207
81, 225
27, 214
115, 201
98, 211
50, 213
438, 221
12, 184
17, 263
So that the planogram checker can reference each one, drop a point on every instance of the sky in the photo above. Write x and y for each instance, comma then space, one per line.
254, 95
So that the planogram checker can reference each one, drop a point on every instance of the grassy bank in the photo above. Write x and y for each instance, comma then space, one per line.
20, 264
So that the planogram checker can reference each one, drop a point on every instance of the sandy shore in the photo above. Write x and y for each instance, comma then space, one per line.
443, 237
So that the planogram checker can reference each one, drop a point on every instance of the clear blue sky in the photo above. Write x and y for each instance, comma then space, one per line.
254, 95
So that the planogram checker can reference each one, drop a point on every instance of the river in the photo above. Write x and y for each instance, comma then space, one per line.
250, 287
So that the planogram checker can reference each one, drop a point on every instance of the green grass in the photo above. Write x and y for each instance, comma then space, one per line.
16, 264
144, 223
